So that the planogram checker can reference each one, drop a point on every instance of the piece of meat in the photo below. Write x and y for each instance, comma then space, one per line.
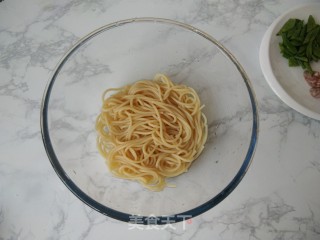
315, 92
313, 79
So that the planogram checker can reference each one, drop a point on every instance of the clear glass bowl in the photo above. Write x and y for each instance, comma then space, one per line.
124, 52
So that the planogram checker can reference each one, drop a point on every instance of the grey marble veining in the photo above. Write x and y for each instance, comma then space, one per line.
277, 199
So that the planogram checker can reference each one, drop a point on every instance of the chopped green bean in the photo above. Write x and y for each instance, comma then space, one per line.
311, 23
304, 59
287, 26
311, 35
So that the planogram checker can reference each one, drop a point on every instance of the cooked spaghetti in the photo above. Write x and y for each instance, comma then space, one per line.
151, 130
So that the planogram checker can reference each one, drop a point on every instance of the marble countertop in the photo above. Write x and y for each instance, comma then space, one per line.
279, 198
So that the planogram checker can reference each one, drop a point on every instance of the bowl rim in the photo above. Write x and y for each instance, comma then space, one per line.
126, 217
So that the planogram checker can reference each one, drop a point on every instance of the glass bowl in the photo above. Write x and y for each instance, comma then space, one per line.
124, 52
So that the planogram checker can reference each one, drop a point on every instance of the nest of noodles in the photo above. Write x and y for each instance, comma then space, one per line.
151, 130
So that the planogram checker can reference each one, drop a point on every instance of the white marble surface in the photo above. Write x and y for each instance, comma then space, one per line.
279, 198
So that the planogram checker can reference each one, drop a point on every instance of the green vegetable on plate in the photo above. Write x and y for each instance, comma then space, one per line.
300, 42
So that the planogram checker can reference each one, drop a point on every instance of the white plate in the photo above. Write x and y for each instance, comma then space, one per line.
288, 82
